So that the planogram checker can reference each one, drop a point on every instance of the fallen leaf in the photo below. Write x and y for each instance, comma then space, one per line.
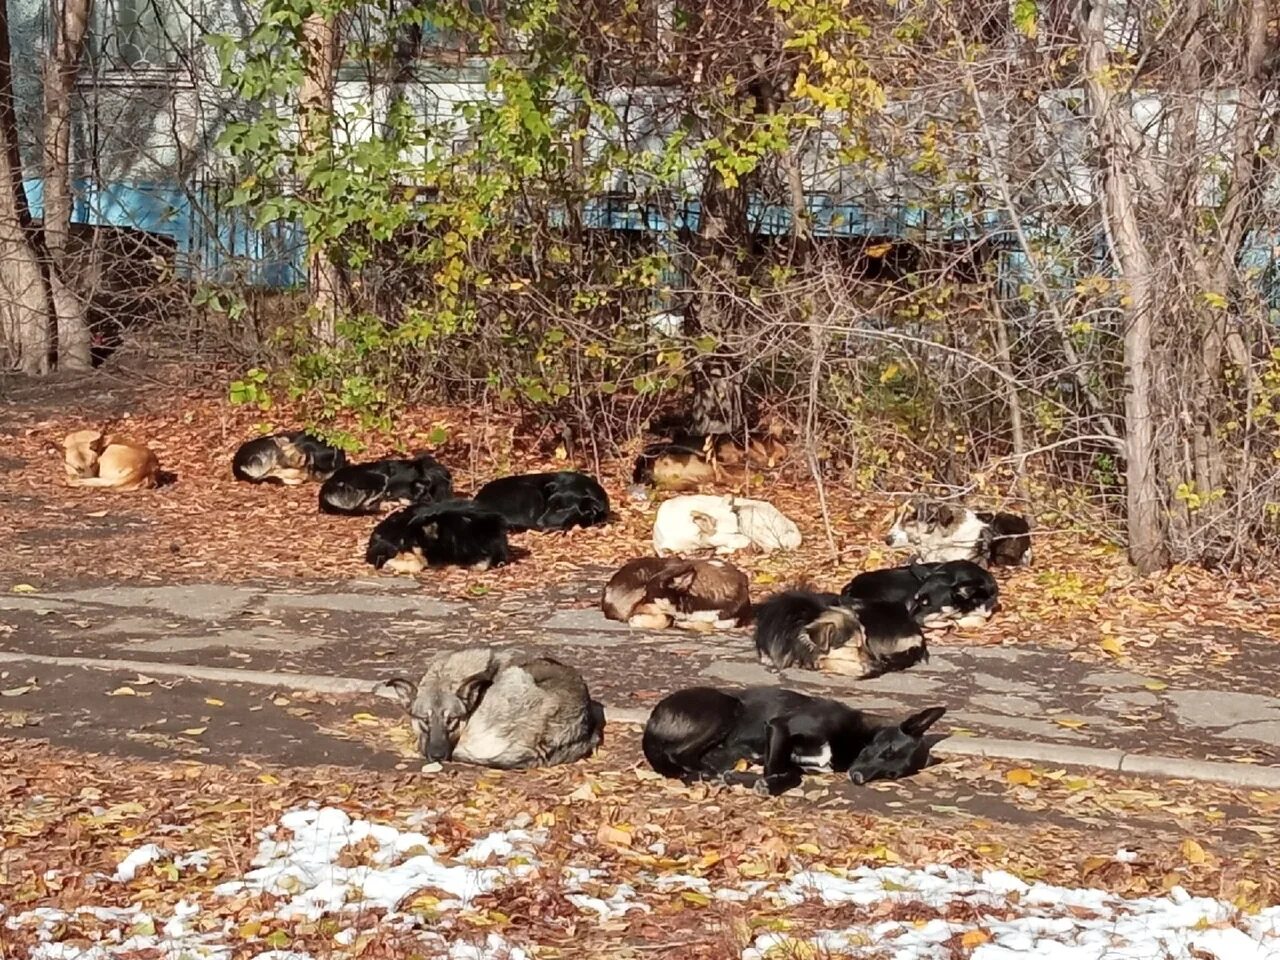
974, 938
214, 702
17, 691
1156, 685
22, 588
1192, 852
1021, 776
1113, 645
194, 731
1069, 723
123, 692
695, 898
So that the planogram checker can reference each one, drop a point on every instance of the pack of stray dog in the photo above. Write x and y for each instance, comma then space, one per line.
509, 709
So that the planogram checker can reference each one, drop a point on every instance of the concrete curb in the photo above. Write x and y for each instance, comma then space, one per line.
1244, 775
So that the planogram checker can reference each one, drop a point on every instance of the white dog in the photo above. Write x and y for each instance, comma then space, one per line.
724, 524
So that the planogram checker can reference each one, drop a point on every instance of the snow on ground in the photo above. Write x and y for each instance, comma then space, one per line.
1021, 920
322, 863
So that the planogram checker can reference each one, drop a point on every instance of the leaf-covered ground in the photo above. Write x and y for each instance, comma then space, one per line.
594, 860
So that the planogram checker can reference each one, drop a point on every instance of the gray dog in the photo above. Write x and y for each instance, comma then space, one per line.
498, 708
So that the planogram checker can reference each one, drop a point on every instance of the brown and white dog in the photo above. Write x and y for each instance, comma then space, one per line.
653, 593
939, 532
120, 465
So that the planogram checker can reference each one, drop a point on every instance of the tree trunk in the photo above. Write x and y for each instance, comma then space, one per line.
1120, 216
320, 58
70, 19
24, 303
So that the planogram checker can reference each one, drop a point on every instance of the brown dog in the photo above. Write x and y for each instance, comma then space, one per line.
93, 462
652, 593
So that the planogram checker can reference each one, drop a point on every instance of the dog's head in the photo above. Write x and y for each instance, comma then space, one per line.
896, 752
921, 520
835, 627
82, 449
438, 713
951, 592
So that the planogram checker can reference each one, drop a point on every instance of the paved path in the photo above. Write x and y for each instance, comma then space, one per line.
370, 629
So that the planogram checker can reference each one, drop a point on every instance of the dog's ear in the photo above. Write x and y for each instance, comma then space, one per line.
916, 724
404, 690
919, 571
681, 578
472, 690
703, 522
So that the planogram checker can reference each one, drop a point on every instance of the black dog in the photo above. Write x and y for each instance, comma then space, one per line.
547, 501
701, 733
855, 637
286, 458
800, 627
1010, 539
365, 488
454, 533
933, 594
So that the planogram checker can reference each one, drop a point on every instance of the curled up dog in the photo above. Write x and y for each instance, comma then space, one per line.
652, 593
288, 458
496, 708
938, 532
93, 461
458, 533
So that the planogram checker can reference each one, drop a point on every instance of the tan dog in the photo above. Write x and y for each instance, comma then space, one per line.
93, 462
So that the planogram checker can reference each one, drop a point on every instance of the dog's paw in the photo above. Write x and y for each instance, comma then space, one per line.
762, 788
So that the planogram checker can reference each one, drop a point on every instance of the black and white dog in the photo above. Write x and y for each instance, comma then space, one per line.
823, 631
364, 488
547, 501
458, 533
935, 595
701, 733
938, 532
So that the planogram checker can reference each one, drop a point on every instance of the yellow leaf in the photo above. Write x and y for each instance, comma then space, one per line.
878, 250
268, 778
194, 731
1070, 724
697, 899
1021, 776
1192, 852
249, 929
281, 701
974, 938
765, 578
214, 702
123, 692
22, 588
1113, 645
368, 719
561, 452
812, 849
740, 766
752, 869
1077, 783
1156, 685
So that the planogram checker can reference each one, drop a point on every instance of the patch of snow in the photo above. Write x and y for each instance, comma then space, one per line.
619, 904
130, 865
1048, 922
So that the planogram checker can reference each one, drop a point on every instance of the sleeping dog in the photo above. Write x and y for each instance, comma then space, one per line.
822, 631
547, 501
288, 458
652, 593
936, 595
365, 488
701, 733
457, 533
940, 531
